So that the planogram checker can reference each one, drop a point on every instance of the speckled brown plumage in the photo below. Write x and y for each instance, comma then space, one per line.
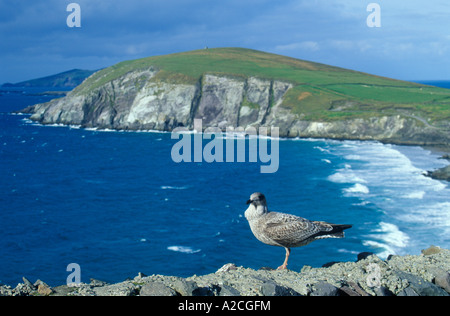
285, 230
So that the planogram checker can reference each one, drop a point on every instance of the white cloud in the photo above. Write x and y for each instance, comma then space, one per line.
302, 46
349, 45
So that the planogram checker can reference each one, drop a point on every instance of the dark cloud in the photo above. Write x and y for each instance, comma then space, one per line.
35, 39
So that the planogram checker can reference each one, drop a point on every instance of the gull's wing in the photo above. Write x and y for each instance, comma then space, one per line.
289, 230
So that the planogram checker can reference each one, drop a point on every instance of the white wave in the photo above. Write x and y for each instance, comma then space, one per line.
107, 130
384, 253
183, 249
313, 140
322, 149
415, 195
12, 113
432, 216
358, 188
353, 157
353, 252
147, 131
27, 121
393, 235
326, 161
389, 238
399, 191
346, 176
362, 203
168, 187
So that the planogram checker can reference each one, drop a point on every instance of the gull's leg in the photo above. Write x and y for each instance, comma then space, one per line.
284, 266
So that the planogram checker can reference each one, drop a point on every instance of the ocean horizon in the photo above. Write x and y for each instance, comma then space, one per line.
117, 204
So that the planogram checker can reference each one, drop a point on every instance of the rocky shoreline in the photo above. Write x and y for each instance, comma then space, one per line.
427, 274
442, 173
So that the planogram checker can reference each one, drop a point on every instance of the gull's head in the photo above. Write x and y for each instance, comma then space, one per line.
257, 199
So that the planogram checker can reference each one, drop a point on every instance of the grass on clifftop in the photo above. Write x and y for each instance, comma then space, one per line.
320, 92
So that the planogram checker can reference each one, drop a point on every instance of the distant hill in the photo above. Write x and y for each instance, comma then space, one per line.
67, 79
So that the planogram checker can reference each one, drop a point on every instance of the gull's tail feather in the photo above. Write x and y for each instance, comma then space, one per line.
337, 231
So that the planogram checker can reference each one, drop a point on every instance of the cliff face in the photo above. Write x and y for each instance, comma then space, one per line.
136, 102
139, 100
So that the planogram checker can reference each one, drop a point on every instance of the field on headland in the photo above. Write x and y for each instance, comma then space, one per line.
320, 93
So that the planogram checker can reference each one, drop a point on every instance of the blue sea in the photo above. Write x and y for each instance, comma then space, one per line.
116, 204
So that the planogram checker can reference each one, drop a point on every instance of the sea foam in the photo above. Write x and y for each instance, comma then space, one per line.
410, 202
358, 188
183, 249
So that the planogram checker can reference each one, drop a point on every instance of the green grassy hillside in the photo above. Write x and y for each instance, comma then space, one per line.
320, 92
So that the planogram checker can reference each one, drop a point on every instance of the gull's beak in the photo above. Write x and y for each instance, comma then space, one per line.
249, 201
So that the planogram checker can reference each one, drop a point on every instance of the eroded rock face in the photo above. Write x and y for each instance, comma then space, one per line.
126, 103
139, 101
220, 101
441, 174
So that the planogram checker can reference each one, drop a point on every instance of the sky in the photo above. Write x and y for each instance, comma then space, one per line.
412, 42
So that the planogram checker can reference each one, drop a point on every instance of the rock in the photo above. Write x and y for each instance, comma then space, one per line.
383, 291
156, 289
441, 174
329, 264
266, 269
364, 255
445, 156
432, 250
97, 283
87, 290
220, 101
355, 287
121, 289
347, 291
408, 292
226, 290
420, 286
44, 289
28, 284
324, 289
63, 290
442, 280
270, 288
187, 288
424, 275
22, 290
6, 290
226, 268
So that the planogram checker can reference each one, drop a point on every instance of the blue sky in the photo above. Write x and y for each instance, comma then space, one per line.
413, 42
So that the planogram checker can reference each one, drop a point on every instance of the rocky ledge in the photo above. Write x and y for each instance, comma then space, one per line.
441, 174
423, 275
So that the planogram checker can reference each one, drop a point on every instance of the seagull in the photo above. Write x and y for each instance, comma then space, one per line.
285, 230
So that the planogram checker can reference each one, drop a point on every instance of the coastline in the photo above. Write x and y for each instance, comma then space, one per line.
439, 149
423, 275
